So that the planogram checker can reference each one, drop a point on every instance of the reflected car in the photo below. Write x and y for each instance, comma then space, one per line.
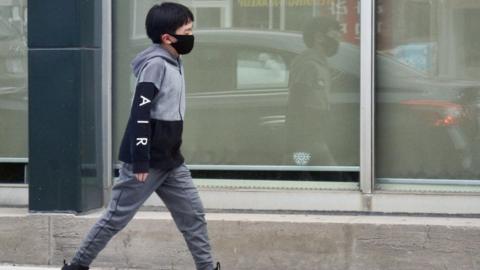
237, 96
13, 58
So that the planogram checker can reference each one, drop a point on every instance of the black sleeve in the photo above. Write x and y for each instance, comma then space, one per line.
145, 92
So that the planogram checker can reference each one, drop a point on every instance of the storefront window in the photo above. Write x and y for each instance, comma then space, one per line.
259, 93
13, 91
427, 90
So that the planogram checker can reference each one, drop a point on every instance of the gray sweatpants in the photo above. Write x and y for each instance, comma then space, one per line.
177, 191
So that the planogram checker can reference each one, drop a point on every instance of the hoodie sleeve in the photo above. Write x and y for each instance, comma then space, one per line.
146, 90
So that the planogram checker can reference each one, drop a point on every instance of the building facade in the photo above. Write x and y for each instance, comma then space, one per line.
394, 127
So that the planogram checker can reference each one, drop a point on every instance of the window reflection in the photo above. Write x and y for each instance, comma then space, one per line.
239, 81
13, 80
428, 89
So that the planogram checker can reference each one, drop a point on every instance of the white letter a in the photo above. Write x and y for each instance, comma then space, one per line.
144, 101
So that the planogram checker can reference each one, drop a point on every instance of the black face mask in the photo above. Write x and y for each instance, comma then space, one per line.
184, 43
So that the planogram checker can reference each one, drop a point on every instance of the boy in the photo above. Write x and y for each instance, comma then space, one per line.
150, 149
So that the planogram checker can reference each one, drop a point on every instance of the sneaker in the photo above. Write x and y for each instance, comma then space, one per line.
75, 266
218, 266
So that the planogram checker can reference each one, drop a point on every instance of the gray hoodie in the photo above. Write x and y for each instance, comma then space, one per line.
158, 66
152, 138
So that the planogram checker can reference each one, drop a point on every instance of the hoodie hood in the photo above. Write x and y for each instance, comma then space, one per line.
155, 50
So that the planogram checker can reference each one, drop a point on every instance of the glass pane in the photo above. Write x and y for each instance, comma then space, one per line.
257, 93
210, 17
427, 89
13, 79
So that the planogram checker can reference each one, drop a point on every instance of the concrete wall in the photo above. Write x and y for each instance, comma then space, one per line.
253, 241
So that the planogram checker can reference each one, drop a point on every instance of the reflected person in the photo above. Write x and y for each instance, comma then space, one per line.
308, 106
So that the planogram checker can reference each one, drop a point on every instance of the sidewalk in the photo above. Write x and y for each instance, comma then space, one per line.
23, 267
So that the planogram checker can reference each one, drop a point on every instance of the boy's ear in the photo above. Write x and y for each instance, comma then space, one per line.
166, 39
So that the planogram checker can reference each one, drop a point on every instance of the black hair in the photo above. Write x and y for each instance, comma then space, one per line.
319, 25
166, 18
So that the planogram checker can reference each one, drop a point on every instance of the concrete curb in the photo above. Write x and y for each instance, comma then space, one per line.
253, 241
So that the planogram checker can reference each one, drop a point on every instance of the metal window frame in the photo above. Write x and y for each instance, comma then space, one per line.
13, 160
274, 168
367, 101
106, 102
367, 120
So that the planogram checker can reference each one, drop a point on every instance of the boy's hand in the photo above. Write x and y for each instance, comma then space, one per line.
141, 176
